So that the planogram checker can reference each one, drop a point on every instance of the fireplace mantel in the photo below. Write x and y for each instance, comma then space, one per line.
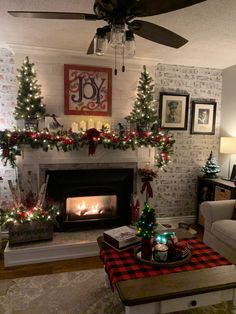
37, 161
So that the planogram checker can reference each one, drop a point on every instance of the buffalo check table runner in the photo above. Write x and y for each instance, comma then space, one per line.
123, 266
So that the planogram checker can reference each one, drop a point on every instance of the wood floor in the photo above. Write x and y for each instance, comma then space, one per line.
49, 268
58, 266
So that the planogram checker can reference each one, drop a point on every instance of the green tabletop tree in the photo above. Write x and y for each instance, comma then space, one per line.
211, 167
146, 229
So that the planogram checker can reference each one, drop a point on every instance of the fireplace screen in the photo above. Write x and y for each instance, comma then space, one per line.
90, 207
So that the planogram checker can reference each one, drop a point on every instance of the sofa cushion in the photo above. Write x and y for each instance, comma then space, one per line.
225, 230
234, 212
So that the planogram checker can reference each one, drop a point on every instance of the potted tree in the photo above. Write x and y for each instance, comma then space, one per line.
29, 105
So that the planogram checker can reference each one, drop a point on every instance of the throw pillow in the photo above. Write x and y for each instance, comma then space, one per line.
234, 212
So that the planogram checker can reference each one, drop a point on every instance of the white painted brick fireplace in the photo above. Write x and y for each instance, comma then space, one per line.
72, 244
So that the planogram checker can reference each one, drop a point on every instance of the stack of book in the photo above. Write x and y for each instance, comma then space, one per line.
121, 238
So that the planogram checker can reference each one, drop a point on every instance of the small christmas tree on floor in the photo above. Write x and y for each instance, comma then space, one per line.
211, 168
29, 99
146, 228
144, 112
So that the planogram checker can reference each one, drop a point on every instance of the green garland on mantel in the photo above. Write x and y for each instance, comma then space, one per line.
11, 142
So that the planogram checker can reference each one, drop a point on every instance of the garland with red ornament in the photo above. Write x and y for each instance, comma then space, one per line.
11, 142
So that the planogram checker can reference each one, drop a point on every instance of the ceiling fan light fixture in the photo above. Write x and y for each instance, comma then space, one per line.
117, 35
100, 42
129, 44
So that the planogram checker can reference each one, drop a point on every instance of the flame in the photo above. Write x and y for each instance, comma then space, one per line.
91, 205
85, 209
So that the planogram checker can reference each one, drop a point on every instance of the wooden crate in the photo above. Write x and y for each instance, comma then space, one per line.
30, 231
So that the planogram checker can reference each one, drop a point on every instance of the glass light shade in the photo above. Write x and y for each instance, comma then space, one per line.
129, 44
100, 42
117, 36
100, 45
130, 48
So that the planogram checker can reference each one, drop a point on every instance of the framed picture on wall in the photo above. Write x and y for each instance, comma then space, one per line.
87, 90
203, 117
174, 110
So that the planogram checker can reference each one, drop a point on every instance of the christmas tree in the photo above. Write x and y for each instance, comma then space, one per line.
144, 113
147, 222
211, 168
29, 99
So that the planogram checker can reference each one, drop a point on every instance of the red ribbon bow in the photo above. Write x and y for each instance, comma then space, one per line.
147, 186
92, 136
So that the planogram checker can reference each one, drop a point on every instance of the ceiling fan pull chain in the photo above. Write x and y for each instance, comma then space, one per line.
123, 56
115, 71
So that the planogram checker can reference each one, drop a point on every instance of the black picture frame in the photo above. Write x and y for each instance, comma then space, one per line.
173, 111
233, 174
203, 117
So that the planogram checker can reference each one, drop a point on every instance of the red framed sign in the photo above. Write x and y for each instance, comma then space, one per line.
87, 90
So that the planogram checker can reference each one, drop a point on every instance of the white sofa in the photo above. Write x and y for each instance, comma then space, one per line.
219, 228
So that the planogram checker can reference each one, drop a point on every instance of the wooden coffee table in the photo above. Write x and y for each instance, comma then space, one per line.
178, 291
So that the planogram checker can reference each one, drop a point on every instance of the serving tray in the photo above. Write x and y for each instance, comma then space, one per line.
168, 263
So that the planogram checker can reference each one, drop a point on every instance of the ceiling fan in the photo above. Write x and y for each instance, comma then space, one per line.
123, 11
121, 25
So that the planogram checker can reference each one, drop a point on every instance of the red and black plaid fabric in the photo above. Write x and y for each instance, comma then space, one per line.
123, 266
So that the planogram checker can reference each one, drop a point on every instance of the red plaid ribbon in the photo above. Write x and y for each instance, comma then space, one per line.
122, 265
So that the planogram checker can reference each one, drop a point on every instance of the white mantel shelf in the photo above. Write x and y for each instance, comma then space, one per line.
64, 246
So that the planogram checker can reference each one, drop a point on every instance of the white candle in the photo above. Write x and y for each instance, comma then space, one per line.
108, 127
82, 125
99, 125
90, 124
75, 127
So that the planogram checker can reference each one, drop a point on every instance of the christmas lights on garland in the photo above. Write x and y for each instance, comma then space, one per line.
11, 142
22, 214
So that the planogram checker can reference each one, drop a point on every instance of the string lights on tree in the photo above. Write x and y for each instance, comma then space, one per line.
146, 225
144, 112
29, 99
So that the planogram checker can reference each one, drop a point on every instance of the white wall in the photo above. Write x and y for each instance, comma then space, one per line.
228, 114
49, 65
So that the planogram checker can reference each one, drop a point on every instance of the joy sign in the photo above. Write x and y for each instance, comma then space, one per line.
87, 90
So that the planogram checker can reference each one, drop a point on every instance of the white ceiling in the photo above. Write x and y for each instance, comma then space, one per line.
210, 28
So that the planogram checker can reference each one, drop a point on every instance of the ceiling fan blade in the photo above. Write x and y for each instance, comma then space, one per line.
157, 33
156, 7
54, 15
90, 50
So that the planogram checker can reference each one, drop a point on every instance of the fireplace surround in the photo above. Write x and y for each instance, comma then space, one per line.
91, 198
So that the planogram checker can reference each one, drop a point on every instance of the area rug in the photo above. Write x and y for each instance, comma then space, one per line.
81, 292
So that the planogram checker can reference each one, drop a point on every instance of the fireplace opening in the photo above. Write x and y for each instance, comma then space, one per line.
91, 207
91, 198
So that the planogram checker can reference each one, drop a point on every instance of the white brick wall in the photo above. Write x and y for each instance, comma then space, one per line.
176, 190
7, 121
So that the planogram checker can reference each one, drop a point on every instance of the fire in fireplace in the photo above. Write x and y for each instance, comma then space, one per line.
91, 207
92, 198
